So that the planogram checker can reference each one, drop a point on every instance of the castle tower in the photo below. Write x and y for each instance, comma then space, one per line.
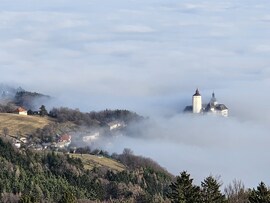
213, 100
196, 102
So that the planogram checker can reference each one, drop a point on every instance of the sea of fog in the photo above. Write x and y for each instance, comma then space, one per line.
149, 56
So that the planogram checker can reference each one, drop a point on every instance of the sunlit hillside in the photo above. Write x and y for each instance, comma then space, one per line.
22, 124
91, 161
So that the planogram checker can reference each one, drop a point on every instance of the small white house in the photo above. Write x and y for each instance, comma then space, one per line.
62, 144
17, 144
114, 125
21, 111
23, 140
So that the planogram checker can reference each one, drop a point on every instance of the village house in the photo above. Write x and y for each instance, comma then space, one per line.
46, 145
92, 137
17, 143
21, 111
61, 145
38, 147
65, 138
23, 140
64, 141
114, 125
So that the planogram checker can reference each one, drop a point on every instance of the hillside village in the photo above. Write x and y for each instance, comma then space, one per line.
94, 173
60, 140
97, 124
26, 122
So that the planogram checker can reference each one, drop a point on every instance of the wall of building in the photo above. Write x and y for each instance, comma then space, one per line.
23, 113
196, 104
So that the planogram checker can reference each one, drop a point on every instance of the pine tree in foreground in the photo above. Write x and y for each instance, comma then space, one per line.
211, 191
261, 195
183, 191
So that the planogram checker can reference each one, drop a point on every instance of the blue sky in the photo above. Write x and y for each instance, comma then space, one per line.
150, 56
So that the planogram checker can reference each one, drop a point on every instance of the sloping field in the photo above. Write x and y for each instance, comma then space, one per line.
20, 123
91, 161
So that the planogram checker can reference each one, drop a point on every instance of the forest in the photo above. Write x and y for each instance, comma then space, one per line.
30, 176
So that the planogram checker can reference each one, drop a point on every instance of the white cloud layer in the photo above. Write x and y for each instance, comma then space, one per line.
150, 56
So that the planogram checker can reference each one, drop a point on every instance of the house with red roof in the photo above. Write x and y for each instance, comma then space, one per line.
21, 111
65, 138
64, 141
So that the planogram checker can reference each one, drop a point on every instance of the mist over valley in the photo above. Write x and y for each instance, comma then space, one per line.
148, 57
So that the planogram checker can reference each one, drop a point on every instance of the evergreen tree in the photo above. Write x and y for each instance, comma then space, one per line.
68, 197
26, 199
211, 192
183, 191
43, 111
262, 194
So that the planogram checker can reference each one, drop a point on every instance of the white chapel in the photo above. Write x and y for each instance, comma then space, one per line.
213, 107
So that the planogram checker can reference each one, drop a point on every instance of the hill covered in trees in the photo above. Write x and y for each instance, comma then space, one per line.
28, 176
64, 114
11, 98
30, 100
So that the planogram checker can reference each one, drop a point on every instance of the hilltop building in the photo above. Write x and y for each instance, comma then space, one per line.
116, 125
213, 107
21, 111
197, 102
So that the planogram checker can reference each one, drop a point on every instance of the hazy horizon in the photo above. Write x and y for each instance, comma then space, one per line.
149, 57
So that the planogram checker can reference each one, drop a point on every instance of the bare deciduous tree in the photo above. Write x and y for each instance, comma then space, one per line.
236, 192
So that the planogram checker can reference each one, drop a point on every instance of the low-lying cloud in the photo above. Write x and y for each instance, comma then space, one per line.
149, 57
203, 145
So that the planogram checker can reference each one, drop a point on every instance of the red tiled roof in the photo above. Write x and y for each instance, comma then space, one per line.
65, 137
20, 109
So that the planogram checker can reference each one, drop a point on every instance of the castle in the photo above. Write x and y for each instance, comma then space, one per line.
213, 107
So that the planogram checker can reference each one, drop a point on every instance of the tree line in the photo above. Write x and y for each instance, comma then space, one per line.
93, 118
183, 190
30, 176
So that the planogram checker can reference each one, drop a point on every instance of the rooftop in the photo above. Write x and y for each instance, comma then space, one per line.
197, 93
20, 109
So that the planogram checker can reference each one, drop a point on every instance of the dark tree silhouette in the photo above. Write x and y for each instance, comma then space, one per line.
261, 194
43, 111
183, 191
211, 191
